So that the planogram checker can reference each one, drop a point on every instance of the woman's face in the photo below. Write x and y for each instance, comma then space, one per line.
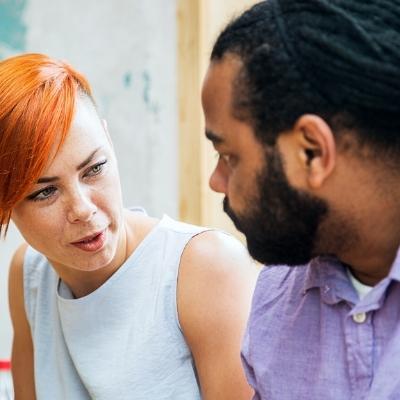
73, 214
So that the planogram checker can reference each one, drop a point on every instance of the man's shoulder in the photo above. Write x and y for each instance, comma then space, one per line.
278, 278
277, 285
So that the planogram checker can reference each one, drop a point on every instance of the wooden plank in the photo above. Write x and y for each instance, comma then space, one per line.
190, 118
199, 23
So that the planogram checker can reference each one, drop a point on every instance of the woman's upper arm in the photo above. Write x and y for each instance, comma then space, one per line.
215, 286
22, 348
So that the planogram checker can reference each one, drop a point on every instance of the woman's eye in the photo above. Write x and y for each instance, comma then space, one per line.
96, 169
43, 194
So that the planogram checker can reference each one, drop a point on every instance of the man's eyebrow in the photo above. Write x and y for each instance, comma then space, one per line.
49, 179
214, 137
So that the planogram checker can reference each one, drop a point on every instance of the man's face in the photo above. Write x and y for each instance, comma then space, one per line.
279, 221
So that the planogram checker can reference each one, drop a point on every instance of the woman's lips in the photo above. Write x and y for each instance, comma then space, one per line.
92, 243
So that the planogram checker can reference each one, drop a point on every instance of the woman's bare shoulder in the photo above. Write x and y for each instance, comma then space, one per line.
219, 253
215, 286
17, 262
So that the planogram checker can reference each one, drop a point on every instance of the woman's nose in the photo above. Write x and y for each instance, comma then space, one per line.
81, 207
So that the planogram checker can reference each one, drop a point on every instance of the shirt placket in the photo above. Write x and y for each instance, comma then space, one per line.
359, 338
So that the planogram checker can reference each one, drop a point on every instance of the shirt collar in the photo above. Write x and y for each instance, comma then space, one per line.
394, 273
329, 275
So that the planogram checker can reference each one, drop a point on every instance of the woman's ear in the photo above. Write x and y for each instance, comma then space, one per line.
317, 148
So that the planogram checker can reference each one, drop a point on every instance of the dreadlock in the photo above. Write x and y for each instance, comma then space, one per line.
339, 59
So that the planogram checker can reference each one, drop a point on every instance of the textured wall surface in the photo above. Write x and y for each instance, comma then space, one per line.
127, 50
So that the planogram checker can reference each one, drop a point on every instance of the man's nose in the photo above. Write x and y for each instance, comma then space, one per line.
219, 178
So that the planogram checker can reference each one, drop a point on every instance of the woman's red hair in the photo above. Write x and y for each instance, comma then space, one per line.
37, 104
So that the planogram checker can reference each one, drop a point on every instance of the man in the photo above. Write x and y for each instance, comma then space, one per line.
302, 103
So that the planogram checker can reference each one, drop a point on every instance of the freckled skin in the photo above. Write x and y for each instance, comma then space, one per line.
81, 203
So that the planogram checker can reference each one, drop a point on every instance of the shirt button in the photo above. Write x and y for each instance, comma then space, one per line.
360, 318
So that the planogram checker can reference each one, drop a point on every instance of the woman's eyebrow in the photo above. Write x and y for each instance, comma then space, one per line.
87, 161
48, 179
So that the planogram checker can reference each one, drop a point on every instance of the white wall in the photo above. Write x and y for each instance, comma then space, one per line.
127, 50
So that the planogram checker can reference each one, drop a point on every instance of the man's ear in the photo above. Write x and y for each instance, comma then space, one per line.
317, 148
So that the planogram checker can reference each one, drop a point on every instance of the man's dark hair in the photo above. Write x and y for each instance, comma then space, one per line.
339, 59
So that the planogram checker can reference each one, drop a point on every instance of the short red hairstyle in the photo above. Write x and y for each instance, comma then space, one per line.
37, 104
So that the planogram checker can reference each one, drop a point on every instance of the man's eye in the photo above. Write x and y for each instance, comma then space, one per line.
229, 160
226, 158
222, 157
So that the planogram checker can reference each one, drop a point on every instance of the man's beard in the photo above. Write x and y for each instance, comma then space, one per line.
280, 223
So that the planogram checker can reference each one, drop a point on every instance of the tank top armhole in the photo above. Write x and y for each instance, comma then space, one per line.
28, 278
193, 235
33, 269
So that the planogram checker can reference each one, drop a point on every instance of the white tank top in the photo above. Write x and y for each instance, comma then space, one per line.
122, 341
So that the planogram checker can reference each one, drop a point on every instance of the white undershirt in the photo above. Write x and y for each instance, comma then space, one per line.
361, 289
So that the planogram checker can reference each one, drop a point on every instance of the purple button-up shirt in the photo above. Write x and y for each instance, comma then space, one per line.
309, 337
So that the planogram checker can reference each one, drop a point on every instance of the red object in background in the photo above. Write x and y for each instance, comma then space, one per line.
6, 385
5, 365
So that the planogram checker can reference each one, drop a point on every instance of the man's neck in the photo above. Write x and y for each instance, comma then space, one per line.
372, 258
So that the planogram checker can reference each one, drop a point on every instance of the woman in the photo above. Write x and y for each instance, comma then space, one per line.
106, 303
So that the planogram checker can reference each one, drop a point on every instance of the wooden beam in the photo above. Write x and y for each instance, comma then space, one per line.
199, 23
190, 118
